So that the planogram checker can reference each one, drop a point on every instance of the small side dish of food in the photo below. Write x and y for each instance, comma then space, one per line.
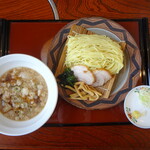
23, 93
136, 106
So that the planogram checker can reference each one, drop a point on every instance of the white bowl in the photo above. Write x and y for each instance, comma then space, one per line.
16, 128
133, 103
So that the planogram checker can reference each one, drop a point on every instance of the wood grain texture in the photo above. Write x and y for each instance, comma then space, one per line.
119, 137
117, 8
25, 10
73, 9
103, 8
102, 137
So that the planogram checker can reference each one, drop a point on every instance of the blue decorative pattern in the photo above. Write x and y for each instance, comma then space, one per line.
132, 74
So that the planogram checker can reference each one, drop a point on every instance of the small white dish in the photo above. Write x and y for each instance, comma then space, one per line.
17, 128
136, 112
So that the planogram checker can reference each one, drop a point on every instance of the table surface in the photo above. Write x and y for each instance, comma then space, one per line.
125, 136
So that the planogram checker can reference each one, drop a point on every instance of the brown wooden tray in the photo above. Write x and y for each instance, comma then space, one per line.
31, 36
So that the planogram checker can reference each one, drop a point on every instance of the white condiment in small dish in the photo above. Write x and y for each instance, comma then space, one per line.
137, 112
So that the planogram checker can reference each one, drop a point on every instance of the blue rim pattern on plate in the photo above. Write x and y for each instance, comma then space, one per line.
62, 37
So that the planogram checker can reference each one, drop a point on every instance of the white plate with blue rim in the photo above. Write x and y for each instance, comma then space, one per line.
125, 80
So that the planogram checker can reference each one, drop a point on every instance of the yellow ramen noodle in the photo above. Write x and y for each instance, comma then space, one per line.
83, 91
94, 51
